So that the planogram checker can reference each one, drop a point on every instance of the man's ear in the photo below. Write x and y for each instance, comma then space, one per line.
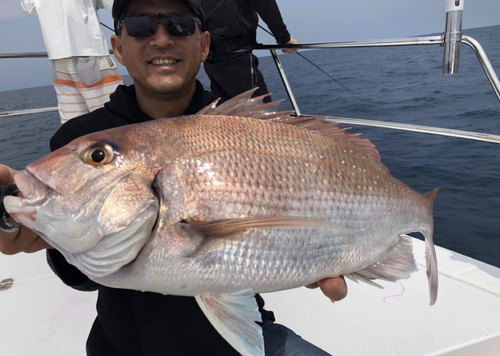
205, 43
116, 43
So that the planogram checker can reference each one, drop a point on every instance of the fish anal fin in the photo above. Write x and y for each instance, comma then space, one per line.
234, 316
398, 264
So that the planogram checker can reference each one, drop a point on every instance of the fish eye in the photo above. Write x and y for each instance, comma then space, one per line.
99, 155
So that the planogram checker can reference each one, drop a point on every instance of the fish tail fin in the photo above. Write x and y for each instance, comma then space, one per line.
430, 252
431, 265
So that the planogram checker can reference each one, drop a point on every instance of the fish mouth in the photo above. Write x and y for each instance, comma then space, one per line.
31, 188
23, 209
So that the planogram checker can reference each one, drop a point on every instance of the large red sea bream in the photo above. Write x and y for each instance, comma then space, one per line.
233, 201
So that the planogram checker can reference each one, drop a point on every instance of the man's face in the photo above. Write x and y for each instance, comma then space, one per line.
161, 63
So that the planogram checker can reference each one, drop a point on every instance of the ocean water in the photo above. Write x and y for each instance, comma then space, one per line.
403, 84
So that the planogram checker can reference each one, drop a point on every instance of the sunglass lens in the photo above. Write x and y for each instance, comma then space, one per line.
180, 26
141, 26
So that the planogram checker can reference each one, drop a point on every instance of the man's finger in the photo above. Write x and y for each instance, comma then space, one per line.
22, 240
312, 285
37, 245
334, 288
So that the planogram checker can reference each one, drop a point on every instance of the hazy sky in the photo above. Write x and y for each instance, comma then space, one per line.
307, 20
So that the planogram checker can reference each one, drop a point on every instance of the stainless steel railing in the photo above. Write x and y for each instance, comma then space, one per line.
425, 40
411, 41
485, 63
26, 112
28, 55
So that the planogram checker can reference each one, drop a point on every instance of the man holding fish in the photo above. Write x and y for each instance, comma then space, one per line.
162, 43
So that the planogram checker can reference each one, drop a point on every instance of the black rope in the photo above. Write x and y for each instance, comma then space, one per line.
332, 78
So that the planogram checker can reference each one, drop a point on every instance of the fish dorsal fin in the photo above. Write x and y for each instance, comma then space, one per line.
244, 105
208, 109
324, 126
234, 316
227, 107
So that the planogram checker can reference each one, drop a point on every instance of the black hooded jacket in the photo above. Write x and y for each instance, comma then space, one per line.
131, 322
233, 25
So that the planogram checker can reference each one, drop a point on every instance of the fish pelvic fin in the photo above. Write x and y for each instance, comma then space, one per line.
216, 233
398, 264
234, 316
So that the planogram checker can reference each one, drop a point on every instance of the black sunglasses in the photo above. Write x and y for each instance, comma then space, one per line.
145, 26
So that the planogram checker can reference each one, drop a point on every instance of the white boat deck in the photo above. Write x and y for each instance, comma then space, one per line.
40, 316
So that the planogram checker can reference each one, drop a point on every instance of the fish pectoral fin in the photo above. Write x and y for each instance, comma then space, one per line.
229, 227
398, 264
216, 232
234, 316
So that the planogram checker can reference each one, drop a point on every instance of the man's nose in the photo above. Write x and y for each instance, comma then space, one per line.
161, 37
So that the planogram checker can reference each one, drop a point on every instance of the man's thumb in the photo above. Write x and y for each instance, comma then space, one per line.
6, 175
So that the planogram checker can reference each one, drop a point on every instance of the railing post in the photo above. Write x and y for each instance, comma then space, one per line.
452, 36
285, 82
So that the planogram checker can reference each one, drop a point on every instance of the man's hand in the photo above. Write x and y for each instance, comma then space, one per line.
334, 288
23, 239
6, 175
291, 50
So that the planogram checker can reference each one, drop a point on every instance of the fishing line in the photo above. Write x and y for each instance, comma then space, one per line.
396, 295
109, 28
335, 80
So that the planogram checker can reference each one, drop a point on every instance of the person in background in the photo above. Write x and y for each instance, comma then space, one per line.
162, 43
83, 72
231, 66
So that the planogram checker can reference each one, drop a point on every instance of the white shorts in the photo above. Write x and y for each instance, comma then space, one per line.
83, 84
